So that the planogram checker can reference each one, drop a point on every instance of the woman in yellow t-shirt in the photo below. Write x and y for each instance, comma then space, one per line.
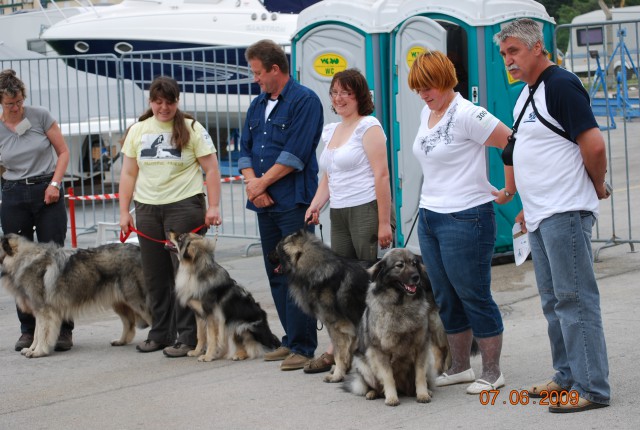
165, 153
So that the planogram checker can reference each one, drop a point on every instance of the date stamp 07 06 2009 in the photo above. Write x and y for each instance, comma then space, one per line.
547, 398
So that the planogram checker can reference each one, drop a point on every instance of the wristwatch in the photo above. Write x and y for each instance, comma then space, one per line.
54, 184
508, 194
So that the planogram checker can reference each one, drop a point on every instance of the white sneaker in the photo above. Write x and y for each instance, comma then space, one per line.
458, 378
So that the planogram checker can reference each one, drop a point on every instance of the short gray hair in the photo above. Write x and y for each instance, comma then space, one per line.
525, 29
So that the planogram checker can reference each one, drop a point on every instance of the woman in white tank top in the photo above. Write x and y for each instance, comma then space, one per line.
355, 180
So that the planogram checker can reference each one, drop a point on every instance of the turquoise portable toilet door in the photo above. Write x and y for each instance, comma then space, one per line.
411, 38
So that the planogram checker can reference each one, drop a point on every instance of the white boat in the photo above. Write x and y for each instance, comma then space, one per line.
197, 42
144, 25
22, 29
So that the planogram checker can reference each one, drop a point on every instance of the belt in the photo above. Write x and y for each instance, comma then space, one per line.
32, 180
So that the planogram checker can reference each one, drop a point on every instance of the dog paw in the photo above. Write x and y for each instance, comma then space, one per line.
423, 398
34, 354
371, 395
117, 342
195, 353
204, 358
333, 378
391, 401
239, 357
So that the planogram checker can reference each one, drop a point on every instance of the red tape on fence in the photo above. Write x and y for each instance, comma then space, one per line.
111, 196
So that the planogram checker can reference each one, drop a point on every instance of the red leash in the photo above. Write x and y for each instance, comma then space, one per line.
124, 237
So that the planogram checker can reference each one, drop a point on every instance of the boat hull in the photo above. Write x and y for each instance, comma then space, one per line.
198, 68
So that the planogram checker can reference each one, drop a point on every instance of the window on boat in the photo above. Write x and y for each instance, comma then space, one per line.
123, 47
39, 46
81, 47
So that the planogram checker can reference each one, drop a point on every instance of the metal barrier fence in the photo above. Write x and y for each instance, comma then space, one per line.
100, 96
606, 57
95, 98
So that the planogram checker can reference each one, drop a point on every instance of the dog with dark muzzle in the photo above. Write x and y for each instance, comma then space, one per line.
402, 344
224, 310
326, 286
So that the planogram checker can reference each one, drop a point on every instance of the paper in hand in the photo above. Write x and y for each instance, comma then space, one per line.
521, 247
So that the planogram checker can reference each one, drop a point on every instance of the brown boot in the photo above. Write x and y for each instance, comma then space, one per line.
25, 341
65, 341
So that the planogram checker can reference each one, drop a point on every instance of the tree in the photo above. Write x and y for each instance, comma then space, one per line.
563, 11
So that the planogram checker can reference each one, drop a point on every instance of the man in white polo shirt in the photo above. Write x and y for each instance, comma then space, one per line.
560, 163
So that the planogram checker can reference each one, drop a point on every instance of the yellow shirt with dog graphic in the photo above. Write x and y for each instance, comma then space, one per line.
166, 175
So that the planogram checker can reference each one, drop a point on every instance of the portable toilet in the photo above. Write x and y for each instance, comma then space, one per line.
381, 38
465, 28
334, 35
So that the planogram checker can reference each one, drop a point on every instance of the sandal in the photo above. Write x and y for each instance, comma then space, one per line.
320, 364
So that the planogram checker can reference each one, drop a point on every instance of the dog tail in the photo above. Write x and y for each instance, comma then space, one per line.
355, 384
356, 381
262, 334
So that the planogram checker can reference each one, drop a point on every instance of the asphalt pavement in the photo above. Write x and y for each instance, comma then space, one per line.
97, 386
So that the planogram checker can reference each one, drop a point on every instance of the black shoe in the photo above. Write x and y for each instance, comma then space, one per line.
25, 341
65, 341
150, 346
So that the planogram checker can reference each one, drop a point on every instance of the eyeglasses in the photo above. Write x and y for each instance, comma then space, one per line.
18, 103
335, 94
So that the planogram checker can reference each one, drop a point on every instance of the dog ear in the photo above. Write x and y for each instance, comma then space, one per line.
375, 270
173, 236
189, 251
6, 246
295, 257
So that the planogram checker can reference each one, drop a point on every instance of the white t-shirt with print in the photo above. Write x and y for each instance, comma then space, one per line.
351, 181
452, 156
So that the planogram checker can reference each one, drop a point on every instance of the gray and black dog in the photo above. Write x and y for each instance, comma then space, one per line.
56, 284
224, 309
402, 344
326, 286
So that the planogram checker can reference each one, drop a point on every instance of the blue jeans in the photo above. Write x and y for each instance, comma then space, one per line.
160, 266
457, 249
23, 211
299, 328
563, 263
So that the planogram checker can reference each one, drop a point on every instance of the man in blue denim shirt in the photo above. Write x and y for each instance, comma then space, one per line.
278, 161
